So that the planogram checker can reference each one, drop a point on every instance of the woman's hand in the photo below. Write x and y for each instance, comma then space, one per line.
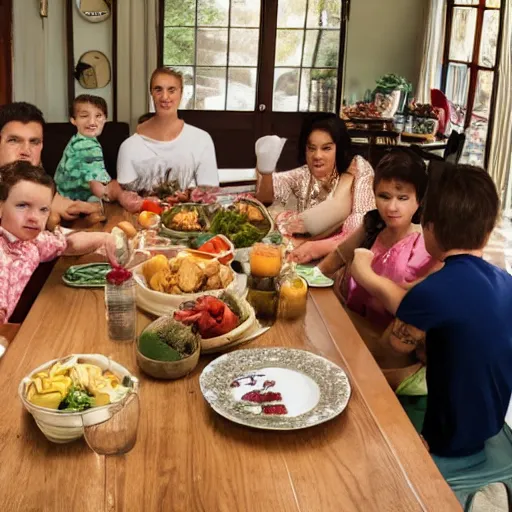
361, 267
307, 252
268, 150
294, 225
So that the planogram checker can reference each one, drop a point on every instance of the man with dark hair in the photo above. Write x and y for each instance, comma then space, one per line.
463, 314
21, 133
21, 138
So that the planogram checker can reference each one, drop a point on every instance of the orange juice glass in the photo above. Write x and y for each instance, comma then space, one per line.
265, 260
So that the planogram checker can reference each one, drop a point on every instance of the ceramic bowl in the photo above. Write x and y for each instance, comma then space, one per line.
160, 303
64, 427
168, 369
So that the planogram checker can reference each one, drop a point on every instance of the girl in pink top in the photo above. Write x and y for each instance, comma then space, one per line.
26, 193
392, 232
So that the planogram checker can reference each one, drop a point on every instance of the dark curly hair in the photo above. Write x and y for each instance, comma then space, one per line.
20, 111
335, 127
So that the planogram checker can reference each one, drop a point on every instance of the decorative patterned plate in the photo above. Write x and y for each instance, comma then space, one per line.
275, 388
314, 276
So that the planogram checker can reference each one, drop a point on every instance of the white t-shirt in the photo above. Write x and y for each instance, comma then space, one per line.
144, 163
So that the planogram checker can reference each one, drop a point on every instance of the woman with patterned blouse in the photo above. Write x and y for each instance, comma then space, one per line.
331, 191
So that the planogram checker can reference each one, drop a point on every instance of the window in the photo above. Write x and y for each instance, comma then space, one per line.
254, 67
470, 60
216, 45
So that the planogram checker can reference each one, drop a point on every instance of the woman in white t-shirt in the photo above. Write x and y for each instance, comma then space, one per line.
165, 148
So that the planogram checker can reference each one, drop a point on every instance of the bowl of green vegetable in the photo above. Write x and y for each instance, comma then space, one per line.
168, 349
245, 223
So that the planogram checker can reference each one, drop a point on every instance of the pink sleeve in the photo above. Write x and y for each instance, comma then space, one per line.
287, 183
50, 245
4, 284
419, 262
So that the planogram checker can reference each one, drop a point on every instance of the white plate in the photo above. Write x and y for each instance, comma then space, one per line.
314, 277
307, 389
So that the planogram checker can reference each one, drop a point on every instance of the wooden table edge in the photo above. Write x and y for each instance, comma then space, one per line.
385, 409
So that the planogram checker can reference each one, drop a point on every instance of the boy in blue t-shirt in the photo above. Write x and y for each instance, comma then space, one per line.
463, 314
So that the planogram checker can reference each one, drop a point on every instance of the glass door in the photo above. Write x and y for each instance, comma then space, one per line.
254, 68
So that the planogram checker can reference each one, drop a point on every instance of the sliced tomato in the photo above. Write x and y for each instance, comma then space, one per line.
151, 206
221, 244
208, 247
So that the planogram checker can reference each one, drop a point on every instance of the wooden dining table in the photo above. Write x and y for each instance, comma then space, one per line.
187, 457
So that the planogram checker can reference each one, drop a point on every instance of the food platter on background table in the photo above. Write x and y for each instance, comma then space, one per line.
275, 388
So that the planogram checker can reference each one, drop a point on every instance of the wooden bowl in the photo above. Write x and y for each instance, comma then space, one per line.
168, 369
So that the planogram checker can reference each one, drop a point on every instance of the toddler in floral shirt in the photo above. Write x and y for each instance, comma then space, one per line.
26, 194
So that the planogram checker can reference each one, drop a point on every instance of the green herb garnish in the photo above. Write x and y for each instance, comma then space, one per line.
76, 400
237, 228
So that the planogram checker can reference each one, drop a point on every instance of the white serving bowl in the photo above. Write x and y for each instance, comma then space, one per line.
159, 303
64, 427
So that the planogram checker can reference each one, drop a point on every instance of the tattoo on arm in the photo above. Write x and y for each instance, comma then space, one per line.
407, 336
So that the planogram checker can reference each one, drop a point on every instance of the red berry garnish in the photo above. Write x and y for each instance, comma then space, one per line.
274, 409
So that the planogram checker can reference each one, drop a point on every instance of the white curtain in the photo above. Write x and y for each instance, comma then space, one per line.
500, 157
39, 58
137, 43
433, 46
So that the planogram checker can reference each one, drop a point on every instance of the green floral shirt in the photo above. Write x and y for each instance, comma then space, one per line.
81, 163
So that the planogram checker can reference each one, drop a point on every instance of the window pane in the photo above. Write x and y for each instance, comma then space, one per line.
213, 12
463, 34
243, 46
457, 86
291, 13
467, 2
212, 46
289, 47
180, 12
322, 13
321, 48
179, 46
493, 3
241, 88
318, 90
483, 93
187, 99
245, 13
286, 90
489, 41
210, 88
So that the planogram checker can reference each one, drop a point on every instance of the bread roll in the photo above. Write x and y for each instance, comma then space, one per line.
128, 228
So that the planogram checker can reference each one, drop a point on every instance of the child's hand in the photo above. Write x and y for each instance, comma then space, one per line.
361, 265
110, 249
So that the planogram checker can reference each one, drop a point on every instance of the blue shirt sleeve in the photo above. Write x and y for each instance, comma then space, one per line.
421, 306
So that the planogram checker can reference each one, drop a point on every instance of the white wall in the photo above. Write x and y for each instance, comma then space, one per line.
93, 36
384, 36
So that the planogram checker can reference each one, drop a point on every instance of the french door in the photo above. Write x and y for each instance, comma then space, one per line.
254, 68
5, 51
